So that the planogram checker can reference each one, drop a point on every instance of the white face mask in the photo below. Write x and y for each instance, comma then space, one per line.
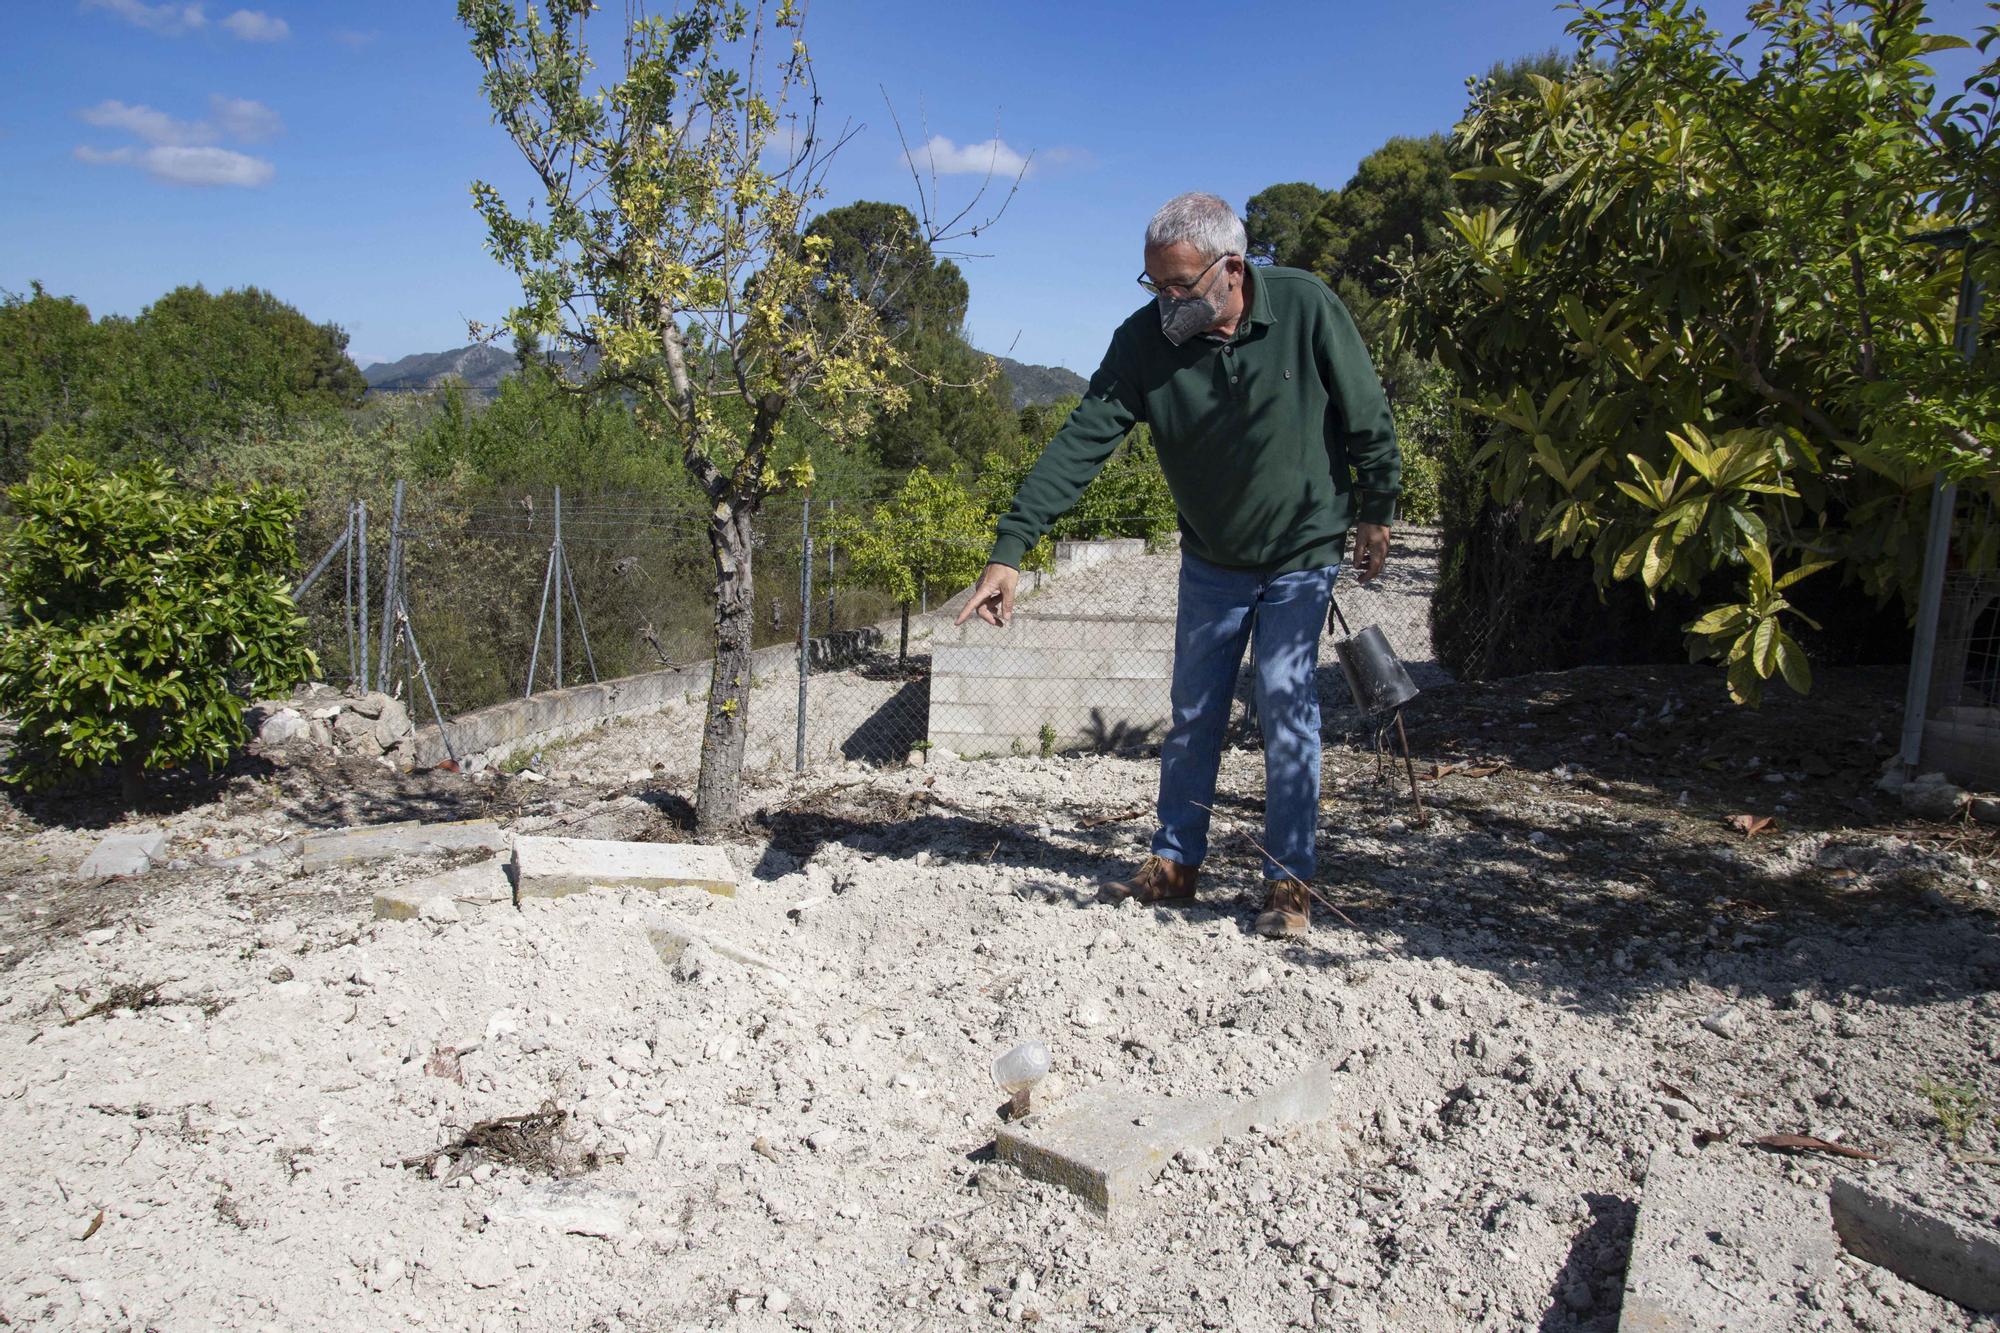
1182, 317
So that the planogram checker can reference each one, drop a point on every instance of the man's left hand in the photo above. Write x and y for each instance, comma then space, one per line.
1371, 549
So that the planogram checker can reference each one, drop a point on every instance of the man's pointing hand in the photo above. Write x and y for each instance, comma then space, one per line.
993, 597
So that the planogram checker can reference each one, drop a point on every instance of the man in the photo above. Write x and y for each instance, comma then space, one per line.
1275, 439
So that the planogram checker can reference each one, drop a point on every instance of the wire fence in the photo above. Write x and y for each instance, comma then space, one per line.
454, 606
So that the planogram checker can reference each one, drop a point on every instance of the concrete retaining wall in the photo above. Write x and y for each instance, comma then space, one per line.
499, 729
1094, 681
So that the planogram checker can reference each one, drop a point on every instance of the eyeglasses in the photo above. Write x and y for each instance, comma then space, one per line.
1178, 289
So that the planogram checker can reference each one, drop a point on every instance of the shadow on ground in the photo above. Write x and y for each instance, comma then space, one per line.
1598, 886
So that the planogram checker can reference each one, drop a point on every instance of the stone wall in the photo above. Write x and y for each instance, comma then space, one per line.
1098, 682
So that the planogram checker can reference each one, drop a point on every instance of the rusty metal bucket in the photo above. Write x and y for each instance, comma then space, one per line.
1375, 678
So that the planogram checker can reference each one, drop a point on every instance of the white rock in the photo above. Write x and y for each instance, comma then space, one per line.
283, 727
487, 1267
1258, 979
634, 1056
1726, 1022
440, 909
777, 1300
1106, 941
578, 1210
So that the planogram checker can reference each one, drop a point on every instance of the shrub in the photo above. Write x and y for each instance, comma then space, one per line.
140, 616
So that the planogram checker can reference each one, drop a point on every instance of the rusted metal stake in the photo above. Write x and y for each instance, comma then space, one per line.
1017, 1105
1410, 766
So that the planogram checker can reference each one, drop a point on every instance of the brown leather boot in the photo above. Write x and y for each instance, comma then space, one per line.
1288, 914
1157, 880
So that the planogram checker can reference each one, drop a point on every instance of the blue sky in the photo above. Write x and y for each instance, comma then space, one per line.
323, 150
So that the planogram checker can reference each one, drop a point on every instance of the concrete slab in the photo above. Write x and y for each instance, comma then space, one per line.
1722, 1241
124, 854
1107, 1145
378, 842
481, 884
1950, 1255
553, 867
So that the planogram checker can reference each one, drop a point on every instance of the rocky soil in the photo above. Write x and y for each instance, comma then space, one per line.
237, 1101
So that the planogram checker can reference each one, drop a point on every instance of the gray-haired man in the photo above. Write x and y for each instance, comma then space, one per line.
1275, 439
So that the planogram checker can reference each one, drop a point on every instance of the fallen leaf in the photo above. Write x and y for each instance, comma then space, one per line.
1807, 1143
1751, 825
1675, 1093
95, 1223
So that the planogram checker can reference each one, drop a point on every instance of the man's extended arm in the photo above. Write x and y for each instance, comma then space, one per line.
1364, 440
1072, 458
1067, 465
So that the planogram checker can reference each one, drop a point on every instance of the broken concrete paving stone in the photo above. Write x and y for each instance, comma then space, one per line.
554, 867
120, 854
377, 842
1950, 1255
1714, 1234
1107, 1145
483, 883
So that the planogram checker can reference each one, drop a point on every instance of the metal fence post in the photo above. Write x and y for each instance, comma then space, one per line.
558, 558
1937, 544
805, 627
389, 591
361, 507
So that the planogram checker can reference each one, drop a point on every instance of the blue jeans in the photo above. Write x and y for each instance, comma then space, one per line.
1220, 610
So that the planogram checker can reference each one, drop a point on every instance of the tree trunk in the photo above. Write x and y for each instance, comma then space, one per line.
719, 789
903, 647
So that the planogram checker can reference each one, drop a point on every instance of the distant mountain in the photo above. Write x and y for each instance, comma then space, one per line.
481, 367
1039, 384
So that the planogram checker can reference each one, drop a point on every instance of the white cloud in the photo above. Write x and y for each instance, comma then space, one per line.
252, 25
169, 19
155, 127
181, 165
182, 152
241, 118
946, 158
228, 118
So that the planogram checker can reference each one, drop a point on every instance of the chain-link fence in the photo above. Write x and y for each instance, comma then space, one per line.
484, 601
1961, 730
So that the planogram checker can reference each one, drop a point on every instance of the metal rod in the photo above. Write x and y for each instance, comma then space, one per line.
305, 584
1937, 545
805, 628
577, 602
361, 507
557, 554
1410, 766
347, 606
541, 614
423, 674
391, 592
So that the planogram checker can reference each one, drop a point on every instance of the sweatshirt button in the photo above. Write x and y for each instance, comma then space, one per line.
1234, 378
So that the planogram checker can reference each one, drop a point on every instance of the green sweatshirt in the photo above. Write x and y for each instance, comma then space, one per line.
1273, 442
